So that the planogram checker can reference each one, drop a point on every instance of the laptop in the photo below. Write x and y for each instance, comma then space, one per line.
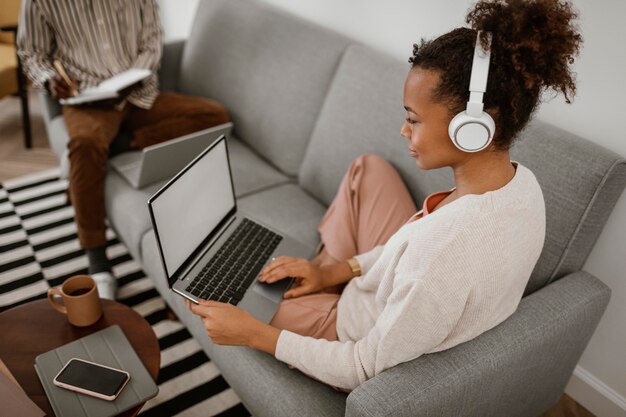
211, 251
164, 160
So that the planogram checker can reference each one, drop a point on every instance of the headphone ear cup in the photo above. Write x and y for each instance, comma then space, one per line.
471, 134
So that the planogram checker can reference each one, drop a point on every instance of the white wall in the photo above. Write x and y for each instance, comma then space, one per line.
597, 114
177, 17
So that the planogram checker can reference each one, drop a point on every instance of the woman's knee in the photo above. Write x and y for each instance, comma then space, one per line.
374, 162
375, 168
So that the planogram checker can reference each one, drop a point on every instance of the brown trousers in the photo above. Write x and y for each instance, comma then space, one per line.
371, 205
92, 129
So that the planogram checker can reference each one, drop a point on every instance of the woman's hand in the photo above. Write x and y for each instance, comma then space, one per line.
309, 278
229, 325
225, 323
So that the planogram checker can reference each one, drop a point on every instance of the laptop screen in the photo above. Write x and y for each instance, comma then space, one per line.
188, 209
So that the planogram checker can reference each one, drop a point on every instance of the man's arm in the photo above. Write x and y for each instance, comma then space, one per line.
35, 44
151, 46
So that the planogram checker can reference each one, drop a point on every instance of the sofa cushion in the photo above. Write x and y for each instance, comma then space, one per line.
250, 172
581, 182
273, 73
127, 210
288, 209
57, 135
363, 113
257, 378
127, 207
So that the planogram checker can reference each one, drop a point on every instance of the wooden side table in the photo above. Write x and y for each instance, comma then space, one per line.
34, 328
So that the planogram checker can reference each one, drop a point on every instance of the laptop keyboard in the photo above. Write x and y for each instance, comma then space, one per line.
233, 268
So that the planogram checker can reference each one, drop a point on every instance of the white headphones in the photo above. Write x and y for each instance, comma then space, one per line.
472, 130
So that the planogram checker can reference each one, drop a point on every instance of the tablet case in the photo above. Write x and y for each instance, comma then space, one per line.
108, 347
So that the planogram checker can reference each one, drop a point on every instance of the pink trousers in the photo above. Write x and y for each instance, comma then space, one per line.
371, 205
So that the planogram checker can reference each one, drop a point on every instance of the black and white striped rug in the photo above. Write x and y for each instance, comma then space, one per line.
39, 249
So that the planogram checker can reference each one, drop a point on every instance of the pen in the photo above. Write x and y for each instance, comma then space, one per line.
63, 74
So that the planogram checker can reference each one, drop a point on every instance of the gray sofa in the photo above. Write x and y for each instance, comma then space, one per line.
305, 102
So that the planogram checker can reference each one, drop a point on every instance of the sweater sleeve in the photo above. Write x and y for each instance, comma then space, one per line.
367, 259
413, 322
35, 43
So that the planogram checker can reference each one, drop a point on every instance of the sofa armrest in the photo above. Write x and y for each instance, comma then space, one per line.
50, 108
518, 368
170, 65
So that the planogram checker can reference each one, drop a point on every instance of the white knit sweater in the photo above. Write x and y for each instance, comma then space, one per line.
438, 282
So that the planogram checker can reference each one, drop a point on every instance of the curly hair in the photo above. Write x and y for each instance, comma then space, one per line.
534, 43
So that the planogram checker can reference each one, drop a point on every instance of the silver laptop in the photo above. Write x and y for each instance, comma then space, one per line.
208, 249
164, 160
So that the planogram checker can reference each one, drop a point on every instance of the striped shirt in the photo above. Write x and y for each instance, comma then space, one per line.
93, 39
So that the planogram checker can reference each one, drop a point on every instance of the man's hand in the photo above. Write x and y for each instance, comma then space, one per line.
227, 324
60, 89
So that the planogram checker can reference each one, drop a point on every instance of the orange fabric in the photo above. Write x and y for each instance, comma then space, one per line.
430, 203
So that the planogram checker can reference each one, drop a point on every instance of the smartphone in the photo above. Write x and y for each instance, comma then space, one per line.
92, 379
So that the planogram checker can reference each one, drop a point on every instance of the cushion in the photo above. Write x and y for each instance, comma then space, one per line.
57, 136
581, 182
250, 172
127, 208
288, 209
363, 113
272, 75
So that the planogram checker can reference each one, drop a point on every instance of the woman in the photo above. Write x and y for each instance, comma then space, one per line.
459, 266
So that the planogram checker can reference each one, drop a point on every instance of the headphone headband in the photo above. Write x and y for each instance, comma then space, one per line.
478, 81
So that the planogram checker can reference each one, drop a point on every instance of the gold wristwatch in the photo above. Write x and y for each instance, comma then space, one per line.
355, 267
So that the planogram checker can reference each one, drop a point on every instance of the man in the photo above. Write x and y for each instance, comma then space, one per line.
94, 40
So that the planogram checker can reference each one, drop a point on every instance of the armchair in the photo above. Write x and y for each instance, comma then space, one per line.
12, 79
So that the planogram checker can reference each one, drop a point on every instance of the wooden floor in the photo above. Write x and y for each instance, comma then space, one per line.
15, 161
567, 407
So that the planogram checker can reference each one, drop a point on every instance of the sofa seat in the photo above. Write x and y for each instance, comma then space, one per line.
279, 388
285, 208
288, 209
127, 208
56, 130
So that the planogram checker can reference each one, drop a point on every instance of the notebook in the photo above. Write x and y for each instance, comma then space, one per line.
109, 88
108, 347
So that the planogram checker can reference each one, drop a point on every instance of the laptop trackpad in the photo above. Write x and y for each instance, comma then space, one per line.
272, 291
